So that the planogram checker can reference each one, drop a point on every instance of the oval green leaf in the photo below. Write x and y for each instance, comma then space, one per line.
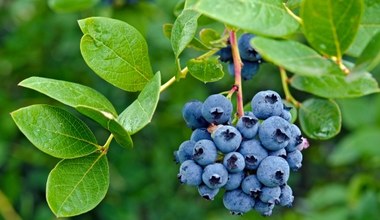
55, 131
183, 31
71, 5
141, 111
76, 186
295, 57
116, 51
331, 26
370, 56
85, 99
267, 18
337, 86
209, 36
209, 70
368, 27
320, 118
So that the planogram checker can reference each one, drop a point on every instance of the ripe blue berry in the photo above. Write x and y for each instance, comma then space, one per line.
207, 193
273, 171
200, 134
294, 159
204, 152
234, 162
192, 115
227, 138
253, 153
248, 126
225, 54
217, 109
190, 173
266, 104
295, 138
270, 194
265, 209
248, 70
251, 185
278, 153
275, 133
234, 180
247, 52
215, 175
238, 202
286, 113
286, 197
185, 151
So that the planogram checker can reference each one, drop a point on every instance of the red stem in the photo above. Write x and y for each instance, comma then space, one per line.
237, 70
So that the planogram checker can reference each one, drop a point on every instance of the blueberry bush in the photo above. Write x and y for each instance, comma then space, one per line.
299, 73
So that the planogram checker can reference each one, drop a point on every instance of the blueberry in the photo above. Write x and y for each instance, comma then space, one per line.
234, 162
225, 54
190, 173
295, 138
278, 153
265, 209
204, 152
286, 197
266, 104
275, 133
207, 193
227, 138
217, 109
185, 151
234, 180
246, 50
248, 126
237, 202
192, 114
248, 70
215, 175
294, 160
200, 134
286, 113
270, 194
253, 153
273, 171
251, 185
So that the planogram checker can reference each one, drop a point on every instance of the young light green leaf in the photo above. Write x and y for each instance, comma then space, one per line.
76, 186
295, 57
71, 5
209, 70
85, 99
331, 26
337, 86
195, 43
183, 31
368, 27
268, 18
141, 111
208, 36
370, 56
55, 131
116, 51
320, 118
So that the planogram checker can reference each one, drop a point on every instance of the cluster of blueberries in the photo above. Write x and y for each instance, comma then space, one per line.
250, 57
250, 161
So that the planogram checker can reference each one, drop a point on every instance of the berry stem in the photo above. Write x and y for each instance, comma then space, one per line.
288, 95
6, 209
291, 13
237, 70
106, 146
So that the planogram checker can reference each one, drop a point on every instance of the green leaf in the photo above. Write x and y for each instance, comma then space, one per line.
209, 70
141, 111
268, 18
85, 99
370, 56
55, 131
320, 118
116, 51
76, 186
195, 43
208, 36
331, 26
368, 27
183, 31
363, 144
295, 57
71, 5
167, 30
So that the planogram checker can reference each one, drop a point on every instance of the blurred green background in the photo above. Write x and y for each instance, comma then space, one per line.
340, 178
